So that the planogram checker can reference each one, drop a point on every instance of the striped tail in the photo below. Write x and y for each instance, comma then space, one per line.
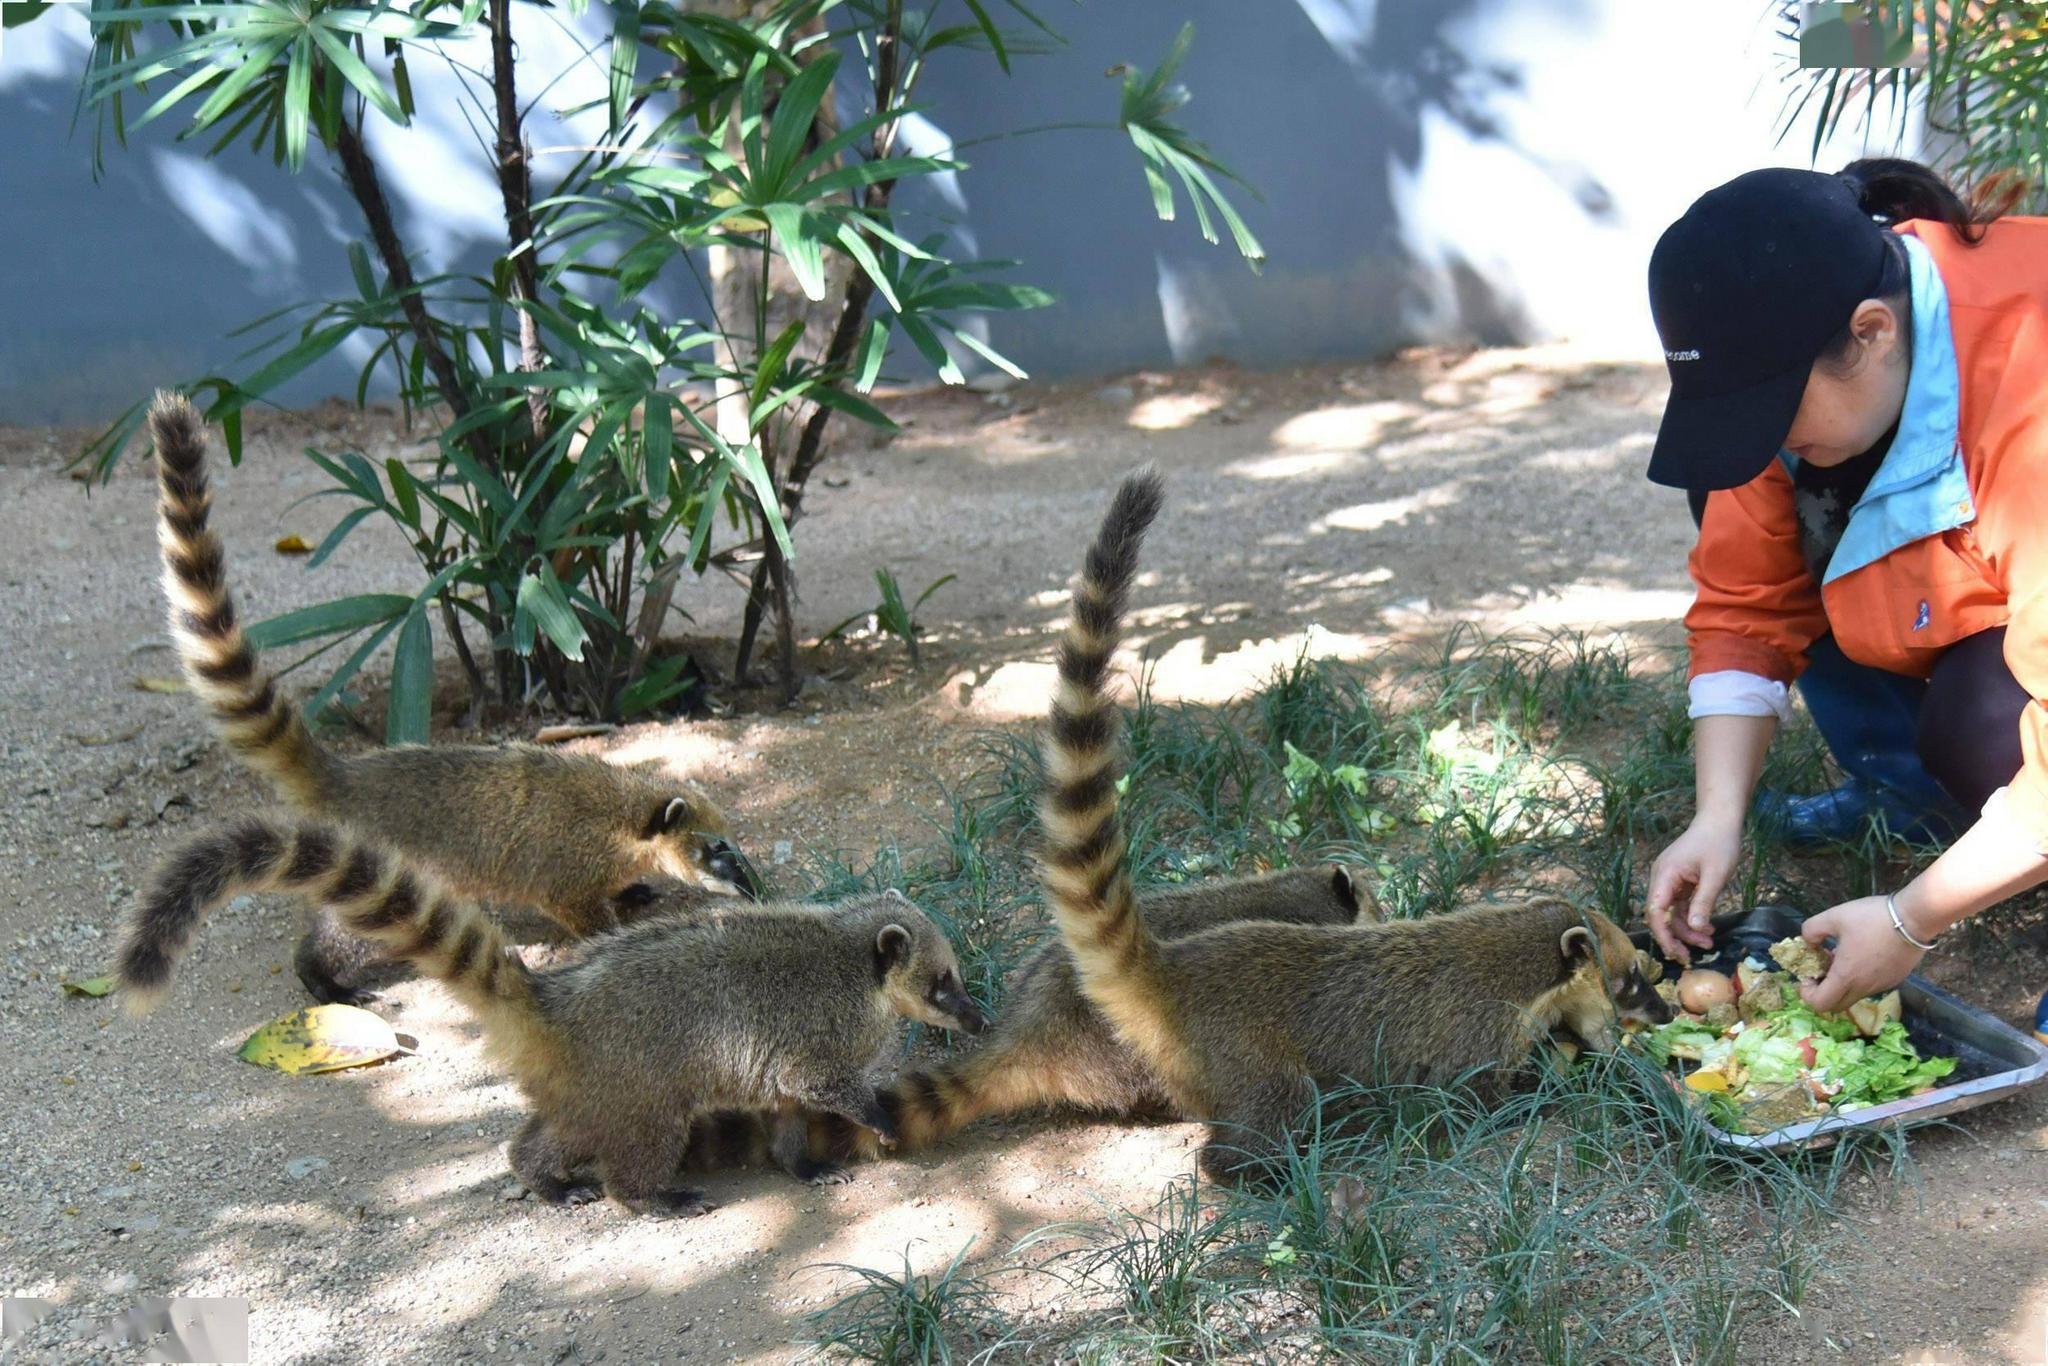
220, 667
1084, 864
373, 893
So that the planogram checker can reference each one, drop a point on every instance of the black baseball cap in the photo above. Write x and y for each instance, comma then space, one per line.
1746, 289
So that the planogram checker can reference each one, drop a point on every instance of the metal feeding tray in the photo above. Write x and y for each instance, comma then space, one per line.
1993, 1059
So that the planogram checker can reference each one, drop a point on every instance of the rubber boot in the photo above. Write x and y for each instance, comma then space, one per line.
1869, 719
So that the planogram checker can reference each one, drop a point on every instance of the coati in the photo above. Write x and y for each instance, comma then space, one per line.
782, 1008
515, 823
1048, 1047
1243, 1023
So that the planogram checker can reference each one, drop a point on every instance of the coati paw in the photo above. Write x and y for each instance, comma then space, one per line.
571, 1193
327, 991
823, 1174
680, 1203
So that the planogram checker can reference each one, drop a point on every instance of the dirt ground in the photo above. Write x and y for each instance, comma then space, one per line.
368, 1216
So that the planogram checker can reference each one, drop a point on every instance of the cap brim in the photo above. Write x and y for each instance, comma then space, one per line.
1723, 441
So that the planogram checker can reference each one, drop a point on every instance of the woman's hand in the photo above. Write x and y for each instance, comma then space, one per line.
1687, 878
1870, 956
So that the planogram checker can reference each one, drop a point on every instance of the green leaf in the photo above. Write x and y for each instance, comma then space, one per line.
542, 600
927, 343
769, 371
874, 348
298, 105
657, 427
995, 35
15, 13
328, 619
340, 677
795, 111
334, 538
625, 60
856, 246
358, 75
748, 459
840, 401
989, 353
800, 247
408, 715
90, 986
312, 348
403, 491
936, 585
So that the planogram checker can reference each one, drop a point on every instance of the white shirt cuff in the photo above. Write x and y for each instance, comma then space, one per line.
1731, 692
1997, 818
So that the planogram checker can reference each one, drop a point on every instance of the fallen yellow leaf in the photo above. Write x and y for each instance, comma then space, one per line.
293, 544
324, 1038
91, 986
146, 683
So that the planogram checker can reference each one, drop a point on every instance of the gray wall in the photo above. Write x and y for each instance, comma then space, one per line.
1486, 170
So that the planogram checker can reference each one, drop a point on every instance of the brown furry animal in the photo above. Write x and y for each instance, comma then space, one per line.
1049, 1048
782, 1009
1243, 1023
514, 823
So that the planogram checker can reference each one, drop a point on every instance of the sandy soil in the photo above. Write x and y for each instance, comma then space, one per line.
368, 1216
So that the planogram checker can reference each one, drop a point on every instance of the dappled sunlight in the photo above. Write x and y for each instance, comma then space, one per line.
1594, 605
451, 1179
1348, 428
1308, 465
682, 752
1170, 412
1387, 512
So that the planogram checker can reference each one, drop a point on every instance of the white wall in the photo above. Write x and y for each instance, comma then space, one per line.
1494, 170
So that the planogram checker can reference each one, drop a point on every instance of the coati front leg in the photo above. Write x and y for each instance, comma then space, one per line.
852, 1098
545, 1166
638, 1164
790, 1145
1251, 1136
340, 968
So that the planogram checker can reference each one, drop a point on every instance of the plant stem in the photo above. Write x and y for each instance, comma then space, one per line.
810, 449
515, 185
360, 173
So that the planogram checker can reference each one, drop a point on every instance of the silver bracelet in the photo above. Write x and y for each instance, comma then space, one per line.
1891, 906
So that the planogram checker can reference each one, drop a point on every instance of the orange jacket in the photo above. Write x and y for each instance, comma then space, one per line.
1950, 539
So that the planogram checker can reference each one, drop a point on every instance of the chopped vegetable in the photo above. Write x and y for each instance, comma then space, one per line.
1783, 1062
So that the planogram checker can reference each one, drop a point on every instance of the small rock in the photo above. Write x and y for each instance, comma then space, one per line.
299, 1168
784, 851
122, 1284
1116, 393
836, 481
514, 1192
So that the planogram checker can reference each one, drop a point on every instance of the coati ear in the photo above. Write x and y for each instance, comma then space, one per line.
895, 894
670, 815
892, 948
1576, 943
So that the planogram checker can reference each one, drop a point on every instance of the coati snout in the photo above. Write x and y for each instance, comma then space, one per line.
1607, 984
921, 977
689, 837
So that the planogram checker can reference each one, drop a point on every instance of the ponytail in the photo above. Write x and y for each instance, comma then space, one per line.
1893, 190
